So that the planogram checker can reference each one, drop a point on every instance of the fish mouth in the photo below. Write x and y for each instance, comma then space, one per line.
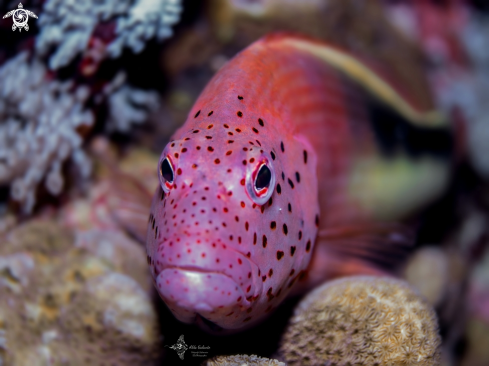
194, 293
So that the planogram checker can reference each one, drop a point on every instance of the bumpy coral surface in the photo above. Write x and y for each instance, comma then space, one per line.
362, 320
67, 299
242, 360
69, 25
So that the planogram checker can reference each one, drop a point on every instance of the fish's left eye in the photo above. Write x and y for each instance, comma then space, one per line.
261, 182
167, 174
263, 178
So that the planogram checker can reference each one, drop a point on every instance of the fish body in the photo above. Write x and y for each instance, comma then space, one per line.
293, 148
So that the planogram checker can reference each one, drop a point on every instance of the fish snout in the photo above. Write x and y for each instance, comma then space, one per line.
192, 294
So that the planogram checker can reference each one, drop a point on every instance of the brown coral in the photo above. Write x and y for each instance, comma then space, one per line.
77, 299
242, 360
362, 320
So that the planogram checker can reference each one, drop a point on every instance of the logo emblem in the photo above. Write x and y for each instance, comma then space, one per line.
20, 17
180, 347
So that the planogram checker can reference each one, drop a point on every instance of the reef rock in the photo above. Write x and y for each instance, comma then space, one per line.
362, 320
74, 299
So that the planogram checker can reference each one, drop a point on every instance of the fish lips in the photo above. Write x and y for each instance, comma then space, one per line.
212, 295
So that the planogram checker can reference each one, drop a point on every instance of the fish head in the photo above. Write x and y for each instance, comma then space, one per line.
233, 221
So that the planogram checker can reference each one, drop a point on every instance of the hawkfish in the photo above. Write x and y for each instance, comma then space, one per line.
299, 162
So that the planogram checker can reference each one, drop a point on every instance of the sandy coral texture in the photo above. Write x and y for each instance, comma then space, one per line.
242, 360
67, 299
362, 321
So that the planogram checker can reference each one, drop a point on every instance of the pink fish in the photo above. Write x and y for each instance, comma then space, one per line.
298, 161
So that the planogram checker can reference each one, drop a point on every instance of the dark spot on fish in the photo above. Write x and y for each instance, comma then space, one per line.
292, 251
247, 225
297, 177
175, 155
240, 114
194, 166
260, 121
248, 289
240, 97
270, 202
184, 150
285, 229
292, 272
252, 160
279, 189
258, 142
308, 246
242, 182
237, 130
198, 147
317, 221
248, 254
208, 137
270, 272
280, 254
229, 152
282, 146
243, 204
269, 294
262, 209
230, 134
179, 171
283, 176
217, 161
291, 183
210, 113
272, 154
196, 131
254, 238
230, 141
290, 207
210, 148
245, 149
264, 241
225, 126
244, 162
187, 138
148, 259
264, 278
300, 234
305, 157
255, 130
197, 114
172, 145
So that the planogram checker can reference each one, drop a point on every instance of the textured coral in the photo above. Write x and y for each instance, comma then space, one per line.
242, 360
40, 123
79, 304
127, 105
69, 25
362, 320
38, 131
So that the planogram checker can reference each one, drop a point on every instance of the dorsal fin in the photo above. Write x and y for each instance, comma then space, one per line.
366, 75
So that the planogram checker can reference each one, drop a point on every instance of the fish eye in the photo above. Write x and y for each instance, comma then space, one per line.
261, 182
263, 178
167, 174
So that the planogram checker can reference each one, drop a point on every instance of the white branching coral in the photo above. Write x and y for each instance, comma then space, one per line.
69, 24
40, 119
127, 105
38, 131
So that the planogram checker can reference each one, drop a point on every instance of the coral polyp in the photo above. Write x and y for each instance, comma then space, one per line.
362, 320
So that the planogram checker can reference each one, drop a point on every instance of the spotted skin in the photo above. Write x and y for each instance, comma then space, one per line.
214, 252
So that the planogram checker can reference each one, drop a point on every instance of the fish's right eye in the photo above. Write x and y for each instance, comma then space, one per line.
166, 174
